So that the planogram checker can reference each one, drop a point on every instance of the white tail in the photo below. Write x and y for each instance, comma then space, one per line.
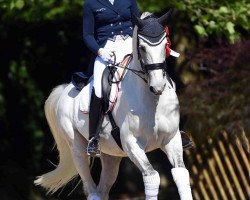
65, 170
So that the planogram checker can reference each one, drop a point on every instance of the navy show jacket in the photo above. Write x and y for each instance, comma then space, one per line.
102, 20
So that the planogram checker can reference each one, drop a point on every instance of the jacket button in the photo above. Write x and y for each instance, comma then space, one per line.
112, 33
120, 23
121, 31
119, 15
111, 24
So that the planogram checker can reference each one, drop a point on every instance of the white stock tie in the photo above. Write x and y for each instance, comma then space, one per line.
112, 1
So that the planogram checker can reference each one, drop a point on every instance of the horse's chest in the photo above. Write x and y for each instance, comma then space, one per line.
142, 123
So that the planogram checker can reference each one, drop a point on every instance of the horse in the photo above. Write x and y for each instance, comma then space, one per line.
147, 112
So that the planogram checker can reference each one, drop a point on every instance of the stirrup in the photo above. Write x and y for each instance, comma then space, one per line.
187, 143
94, 150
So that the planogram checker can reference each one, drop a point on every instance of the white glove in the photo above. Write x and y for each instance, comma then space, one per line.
105, 54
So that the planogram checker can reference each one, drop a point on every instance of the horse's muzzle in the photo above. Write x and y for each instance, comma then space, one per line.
157, 91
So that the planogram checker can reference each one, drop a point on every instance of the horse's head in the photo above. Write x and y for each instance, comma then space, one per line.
152, 49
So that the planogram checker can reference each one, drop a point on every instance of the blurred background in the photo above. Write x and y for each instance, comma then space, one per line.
41, 45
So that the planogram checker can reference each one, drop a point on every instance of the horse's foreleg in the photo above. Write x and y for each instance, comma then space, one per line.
151, 177
174, 152
80, 158
110, 168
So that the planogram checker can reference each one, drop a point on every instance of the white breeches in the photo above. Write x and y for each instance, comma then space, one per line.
121, 48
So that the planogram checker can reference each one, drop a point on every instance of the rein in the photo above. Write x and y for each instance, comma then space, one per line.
138, 73
144, 67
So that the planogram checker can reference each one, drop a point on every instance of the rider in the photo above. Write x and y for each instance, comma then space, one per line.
107, 26
107, 29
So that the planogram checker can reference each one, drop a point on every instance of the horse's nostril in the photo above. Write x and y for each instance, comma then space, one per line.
152, 89
164, 86
156, 92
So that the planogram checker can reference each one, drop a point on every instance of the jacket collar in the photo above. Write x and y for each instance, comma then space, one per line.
108, 4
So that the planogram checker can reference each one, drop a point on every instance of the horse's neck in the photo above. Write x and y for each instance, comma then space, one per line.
136, 94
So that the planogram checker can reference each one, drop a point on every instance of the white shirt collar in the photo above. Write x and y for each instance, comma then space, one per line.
112, 1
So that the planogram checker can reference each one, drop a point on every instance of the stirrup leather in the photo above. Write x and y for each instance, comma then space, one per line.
93, 148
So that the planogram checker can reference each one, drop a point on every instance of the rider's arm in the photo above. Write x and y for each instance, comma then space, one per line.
89, 28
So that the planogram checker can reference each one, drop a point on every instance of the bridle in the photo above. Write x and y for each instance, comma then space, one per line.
145, 68
154, 66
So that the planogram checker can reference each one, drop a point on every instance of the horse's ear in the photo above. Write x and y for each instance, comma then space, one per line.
137, 21
164, 19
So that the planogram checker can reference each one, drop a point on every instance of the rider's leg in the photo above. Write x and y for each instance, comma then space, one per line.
174, 151
96, 109
110, 168
151, 177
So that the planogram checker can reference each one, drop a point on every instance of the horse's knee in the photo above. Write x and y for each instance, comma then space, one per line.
143, 164
177, 161
174, 151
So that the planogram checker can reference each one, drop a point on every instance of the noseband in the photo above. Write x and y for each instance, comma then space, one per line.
154, 66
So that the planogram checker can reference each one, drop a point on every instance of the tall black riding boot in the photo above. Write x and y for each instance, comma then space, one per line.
95, 124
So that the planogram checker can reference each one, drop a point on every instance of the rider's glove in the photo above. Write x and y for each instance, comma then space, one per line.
105, 54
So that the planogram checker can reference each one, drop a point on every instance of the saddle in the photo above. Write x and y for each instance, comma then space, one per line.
80, 79
111, 79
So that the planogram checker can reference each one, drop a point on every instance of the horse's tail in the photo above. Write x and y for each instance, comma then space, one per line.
65, 170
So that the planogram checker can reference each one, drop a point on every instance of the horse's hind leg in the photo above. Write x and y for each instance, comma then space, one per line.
110, 168
174, 152
80, 158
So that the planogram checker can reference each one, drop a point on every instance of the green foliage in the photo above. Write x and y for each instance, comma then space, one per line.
209, 17
37, 10
31, 99
154, 6
218, 18
2, 101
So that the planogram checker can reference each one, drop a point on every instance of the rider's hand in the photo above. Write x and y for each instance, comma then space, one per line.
105, 54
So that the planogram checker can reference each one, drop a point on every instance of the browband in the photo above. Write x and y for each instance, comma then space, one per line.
153, 41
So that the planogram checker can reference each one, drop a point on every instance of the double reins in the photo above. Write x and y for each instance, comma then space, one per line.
138, 73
